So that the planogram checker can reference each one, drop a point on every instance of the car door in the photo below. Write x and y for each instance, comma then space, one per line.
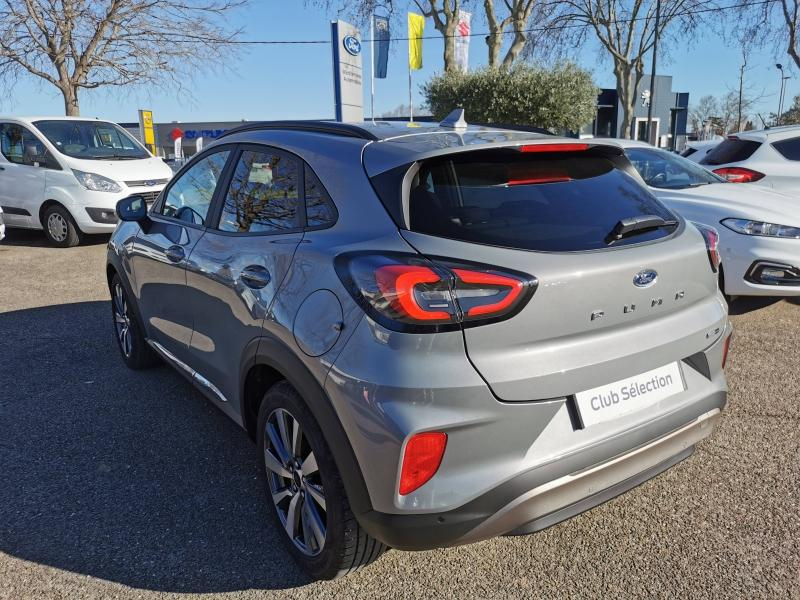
163, 246
22, 174
239, 264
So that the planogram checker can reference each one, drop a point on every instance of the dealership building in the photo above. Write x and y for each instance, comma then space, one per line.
189, 133
669, 114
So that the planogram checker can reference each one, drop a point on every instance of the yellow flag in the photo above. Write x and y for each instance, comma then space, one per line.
416, 27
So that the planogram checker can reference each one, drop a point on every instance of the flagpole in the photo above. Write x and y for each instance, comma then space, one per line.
410, 101
372, 62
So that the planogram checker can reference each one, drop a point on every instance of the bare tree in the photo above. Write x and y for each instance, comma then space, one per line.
445, 19
87, 44
518, 17
702, 113
626, 30
775, 23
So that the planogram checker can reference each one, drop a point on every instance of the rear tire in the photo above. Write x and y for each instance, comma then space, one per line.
60, 228
302, 474
133, 346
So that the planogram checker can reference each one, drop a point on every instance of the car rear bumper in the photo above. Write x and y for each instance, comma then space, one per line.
528, 503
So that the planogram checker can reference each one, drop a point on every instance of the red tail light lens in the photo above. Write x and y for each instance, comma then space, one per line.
711, 236
562, 147
726, 346
421, 460
411, 293
739, 174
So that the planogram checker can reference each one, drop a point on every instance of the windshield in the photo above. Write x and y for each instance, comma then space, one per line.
665, 170
93, 140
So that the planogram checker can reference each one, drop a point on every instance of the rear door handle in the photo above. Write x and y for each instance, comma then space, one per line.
175, 254
255, 277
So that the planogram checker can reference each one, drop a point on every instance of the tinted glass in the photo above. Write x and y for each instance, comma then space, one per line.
730, 150
564, 202
190, 195
320, 210
94, 140
789, 149
688, 151
20, 146
668, 171
263, 195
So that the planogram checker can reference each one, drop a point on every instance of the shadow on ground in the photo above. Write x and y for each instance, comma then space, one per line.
126, 476
744, 304
35, 238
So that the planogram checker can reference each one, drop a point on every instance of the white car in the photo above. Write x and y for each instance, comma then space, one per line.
759, 229
696, 151
2, 225
66, 174
769, 157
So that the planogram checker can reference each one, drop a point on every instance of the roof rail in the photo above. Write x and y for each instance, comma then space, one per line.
329, 127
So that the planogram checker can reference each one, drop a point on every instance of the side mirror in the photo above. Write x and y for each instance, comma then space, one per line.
132, 208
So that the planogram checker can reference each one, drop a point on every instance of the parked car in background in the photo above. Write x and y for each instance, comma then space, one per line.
66, 174
2, 225
759, 229
436, 335
696, 151
768, 157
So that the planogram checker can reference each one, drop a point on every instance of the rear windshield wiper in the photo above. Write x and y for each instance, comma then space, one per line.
634, 225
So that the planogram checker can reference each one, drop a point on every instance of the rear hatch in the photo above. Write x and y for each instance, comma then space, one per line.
603, 303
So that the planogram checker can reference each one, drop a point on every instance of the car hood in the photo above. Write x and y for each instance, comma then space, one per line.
730, 200
125, 170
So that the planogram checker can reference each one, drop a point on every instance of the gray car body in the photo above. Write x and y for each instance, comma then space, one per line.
500, 391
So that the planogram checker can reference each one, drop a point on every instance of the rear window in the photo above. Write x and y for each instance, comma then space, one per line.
688, 151
789, 149
547, 202
731, 150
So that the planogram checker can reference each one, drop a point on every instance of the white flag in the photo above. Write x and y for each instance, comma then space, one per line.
462, 39
178, 148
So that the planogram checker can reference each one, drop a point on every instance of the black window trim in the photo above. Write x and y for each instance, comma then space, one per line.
158, 205
54, 164
218, 201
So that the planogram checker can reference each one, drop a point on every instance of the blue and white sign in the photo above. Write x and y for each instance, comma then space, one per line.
352, 45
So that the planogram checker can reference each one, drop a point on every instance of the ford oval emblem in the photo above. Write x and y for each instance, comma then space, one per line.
352, 45
645, 278
149, 183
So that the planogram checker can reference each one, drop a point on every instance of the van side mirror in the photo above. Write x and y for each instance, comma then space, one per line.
132, 208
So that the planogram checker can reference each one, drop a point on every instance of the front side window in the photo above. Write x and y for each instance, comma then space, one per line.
20, 146
189, 197
665, 170
263, 195
92, 140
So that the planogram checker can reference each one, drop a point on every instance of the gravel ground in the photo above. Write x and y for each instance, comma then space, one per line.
116, 484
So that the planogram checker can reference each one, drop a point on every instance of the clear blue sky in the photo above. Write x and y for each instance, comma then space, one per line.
282, 81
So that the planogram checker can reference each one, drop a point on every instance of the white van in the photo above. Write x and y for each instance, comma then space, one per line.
66, 174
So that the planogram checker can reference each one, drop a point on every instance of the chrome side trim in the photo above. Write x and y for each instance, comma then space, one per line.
195, 376
569, 489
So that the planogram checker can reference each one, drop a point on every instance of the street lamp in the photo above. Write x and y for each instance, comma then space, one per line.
784, 77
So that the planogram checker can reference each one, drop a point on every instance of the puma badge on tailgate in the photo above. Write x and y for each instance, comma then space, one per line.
613, 400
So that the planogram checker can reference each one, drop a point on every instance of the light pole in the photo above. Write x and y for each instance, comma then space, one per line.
741, 84
784, 77
653, 74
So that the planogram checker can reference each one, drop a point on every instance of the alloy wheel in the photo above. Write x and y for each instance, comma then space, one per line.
122, 321
57, 226
294, 482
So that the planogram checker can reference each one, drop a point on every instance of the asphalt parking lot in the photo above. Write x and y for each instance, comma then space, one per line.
116, 484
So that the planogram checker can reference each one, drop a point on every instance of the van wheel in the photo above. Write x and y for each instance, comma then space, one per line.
310, 505
60, 228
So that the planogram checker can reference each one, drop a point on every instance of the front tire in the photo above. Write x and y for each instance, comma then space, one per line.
60, 228
131, 342
310, 505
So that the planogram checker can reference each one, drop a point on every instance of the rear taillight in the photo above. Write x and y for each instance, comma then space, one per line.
562, 147
711, 236
739, 174
726, 345
407, 292
421, 460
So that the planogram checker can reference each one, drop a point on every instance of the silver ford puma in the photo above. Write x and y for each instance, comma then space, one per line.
435, 334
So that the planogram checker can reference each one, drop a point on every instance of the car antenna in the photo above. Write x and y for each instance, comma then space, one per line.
455, 120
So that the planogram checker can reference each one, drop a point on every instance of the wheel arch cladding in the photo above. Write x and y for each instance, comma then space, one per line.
270, 361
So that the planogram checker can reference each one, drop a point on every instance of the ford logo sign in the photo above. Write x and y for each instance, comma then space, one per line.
352, 45
149, 183
645, 278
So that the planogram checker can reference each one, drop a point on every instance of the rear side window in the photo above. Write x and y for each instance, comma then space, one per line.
548, 202
320, 211
688, 151
731, 150
789, 149
263, 195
